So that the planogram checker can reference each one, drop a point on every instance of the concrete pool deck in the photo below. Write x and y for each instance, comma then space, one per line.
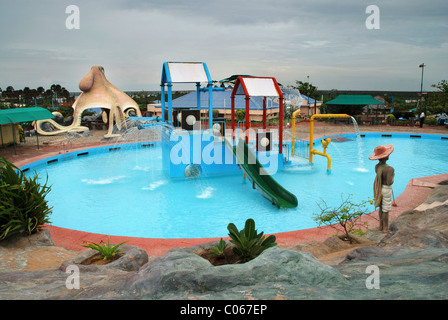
416, 192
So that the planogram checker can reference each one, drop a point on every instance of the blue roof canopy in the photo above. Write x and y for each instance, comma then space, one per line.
221, 100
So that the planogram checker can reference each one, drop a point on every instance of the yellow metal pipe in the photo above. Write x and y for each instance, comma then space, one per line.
324, 155
336, 115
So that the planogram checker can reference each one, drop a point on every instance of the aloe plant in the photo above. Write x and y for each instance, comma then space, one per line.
106, 250
248, 242
218, 250
23, 207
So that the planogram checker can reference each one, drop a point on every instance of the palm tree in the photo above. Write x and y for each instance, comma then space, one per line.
26, 94
40, 90
66, 94
56, 88
48, 95
9, 92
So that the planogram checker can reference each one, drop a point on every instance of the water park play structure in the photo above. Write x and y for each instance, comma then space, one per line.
193, 142
193, 146
191, 151
97, 92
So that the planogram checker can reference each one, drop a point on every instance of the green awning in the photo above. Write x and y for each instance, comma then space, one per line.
354, 100
24, 114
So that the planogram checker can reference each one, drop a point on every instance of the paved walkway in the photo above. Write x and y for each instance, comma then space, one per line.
416, 192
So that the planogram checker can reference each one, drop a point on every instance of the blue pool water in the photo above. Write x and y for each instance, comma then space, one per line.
127, 193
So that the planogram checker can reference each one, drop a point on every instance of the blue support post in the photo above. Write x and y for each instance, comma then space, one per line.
170, 105
162, 100
210, 94
198, 95
210, 107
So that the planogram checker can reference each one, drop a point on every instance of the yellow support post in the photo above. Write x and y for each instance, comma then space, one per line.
325, 143
312, 151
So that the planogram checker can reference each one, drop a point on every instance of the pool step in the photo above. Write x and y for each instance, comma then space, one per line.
340, 139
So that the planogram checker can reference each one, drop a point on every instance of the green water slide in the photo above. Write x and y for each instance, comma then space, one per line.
261, 180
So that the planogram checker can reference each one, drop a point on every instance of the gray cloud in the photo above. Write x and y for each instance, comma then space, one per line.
290, 40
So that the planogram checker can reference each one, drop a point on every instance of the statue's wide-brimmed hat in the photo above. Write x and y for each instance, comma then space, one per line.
381, 152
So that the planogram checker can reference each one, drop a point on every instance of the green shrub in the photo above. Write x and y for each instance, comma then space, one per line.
345, 216
21, 134
23, 208
390, 119
240, 114
106, 250
431, 121
248, 243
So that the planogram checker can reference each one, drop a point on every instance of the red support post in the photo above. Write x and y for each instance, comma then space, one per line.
232, 99
280, 124
247, 120
264, 113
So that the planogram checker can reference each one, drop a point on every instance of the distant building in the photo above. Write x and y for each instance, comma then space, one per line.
222, 103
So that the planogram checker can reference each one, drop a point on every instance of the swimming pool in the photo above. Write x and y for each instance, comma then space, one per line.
126, 192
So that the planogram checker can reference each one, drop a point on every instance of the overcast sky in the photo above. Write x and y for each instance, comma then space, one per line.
325, 40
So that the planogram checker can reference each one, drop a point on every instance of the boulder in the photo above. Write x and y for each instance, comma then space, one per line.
46, 126
59, 119
415, 237
41, 238
132, 258
183, 271
68, 121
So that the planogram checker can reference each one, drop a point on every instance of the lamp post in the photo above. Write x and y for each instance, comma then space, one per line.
421, 82
421, 86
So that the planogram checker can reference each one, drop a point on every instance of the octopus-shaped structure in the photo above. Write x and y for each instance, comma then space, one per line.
97, 92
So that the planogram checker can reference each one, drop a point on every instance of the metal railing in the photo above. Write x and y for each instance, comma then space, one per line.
301, 148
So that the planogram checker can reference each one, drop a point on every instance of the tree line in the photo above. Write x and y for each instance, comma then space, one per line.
433, 102
11, 97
